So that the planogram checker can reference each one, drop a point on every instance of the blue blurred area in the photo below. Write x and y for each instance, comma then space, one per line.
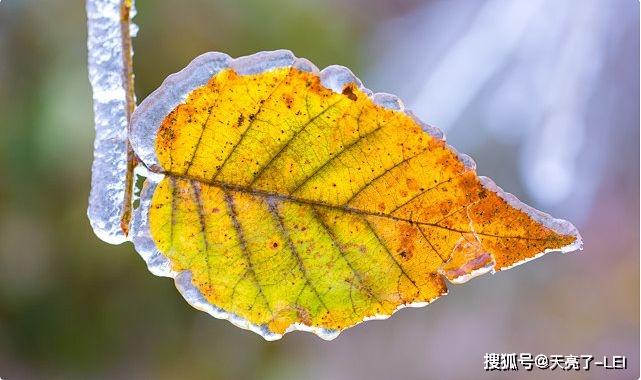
543, 94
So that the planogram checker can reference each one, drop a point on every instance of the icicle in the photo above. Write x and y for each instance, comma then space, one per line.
109, 56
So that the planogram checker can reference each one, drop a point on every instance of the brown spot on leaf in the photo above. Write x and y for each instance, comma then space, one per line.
303, 315
412, 184
288, 99
348, 91
407, 235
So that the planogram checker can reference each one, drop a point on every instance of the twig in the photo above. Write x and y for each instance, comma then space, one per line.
125, 27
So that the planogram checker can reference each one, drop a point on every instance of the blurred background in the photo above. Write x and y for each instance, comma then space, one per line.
544, 94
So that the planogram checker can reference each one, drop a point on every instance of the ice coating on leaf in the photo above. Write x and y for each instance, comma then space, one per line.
204, 197
388, 101
109, 169
433, 131
336, 77
151, 111
466, 160
560, 226
157, 263
262, 61
303, 64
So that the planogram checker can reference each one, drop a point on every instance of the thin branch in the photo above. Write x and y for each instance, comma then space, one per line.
128, 74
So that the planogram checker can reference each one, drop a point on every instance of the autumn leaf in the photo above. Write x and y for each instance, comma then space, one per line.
283, 198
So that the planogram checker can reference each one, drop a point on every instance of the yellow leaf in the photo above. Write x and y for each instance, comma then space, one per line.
294, 199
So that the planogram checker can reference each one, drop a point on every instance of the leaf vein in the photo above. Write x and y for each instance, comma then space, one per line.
243, 245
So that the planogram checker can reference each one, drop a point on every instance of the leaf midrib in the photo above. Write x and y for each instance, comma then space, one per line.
347, 209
